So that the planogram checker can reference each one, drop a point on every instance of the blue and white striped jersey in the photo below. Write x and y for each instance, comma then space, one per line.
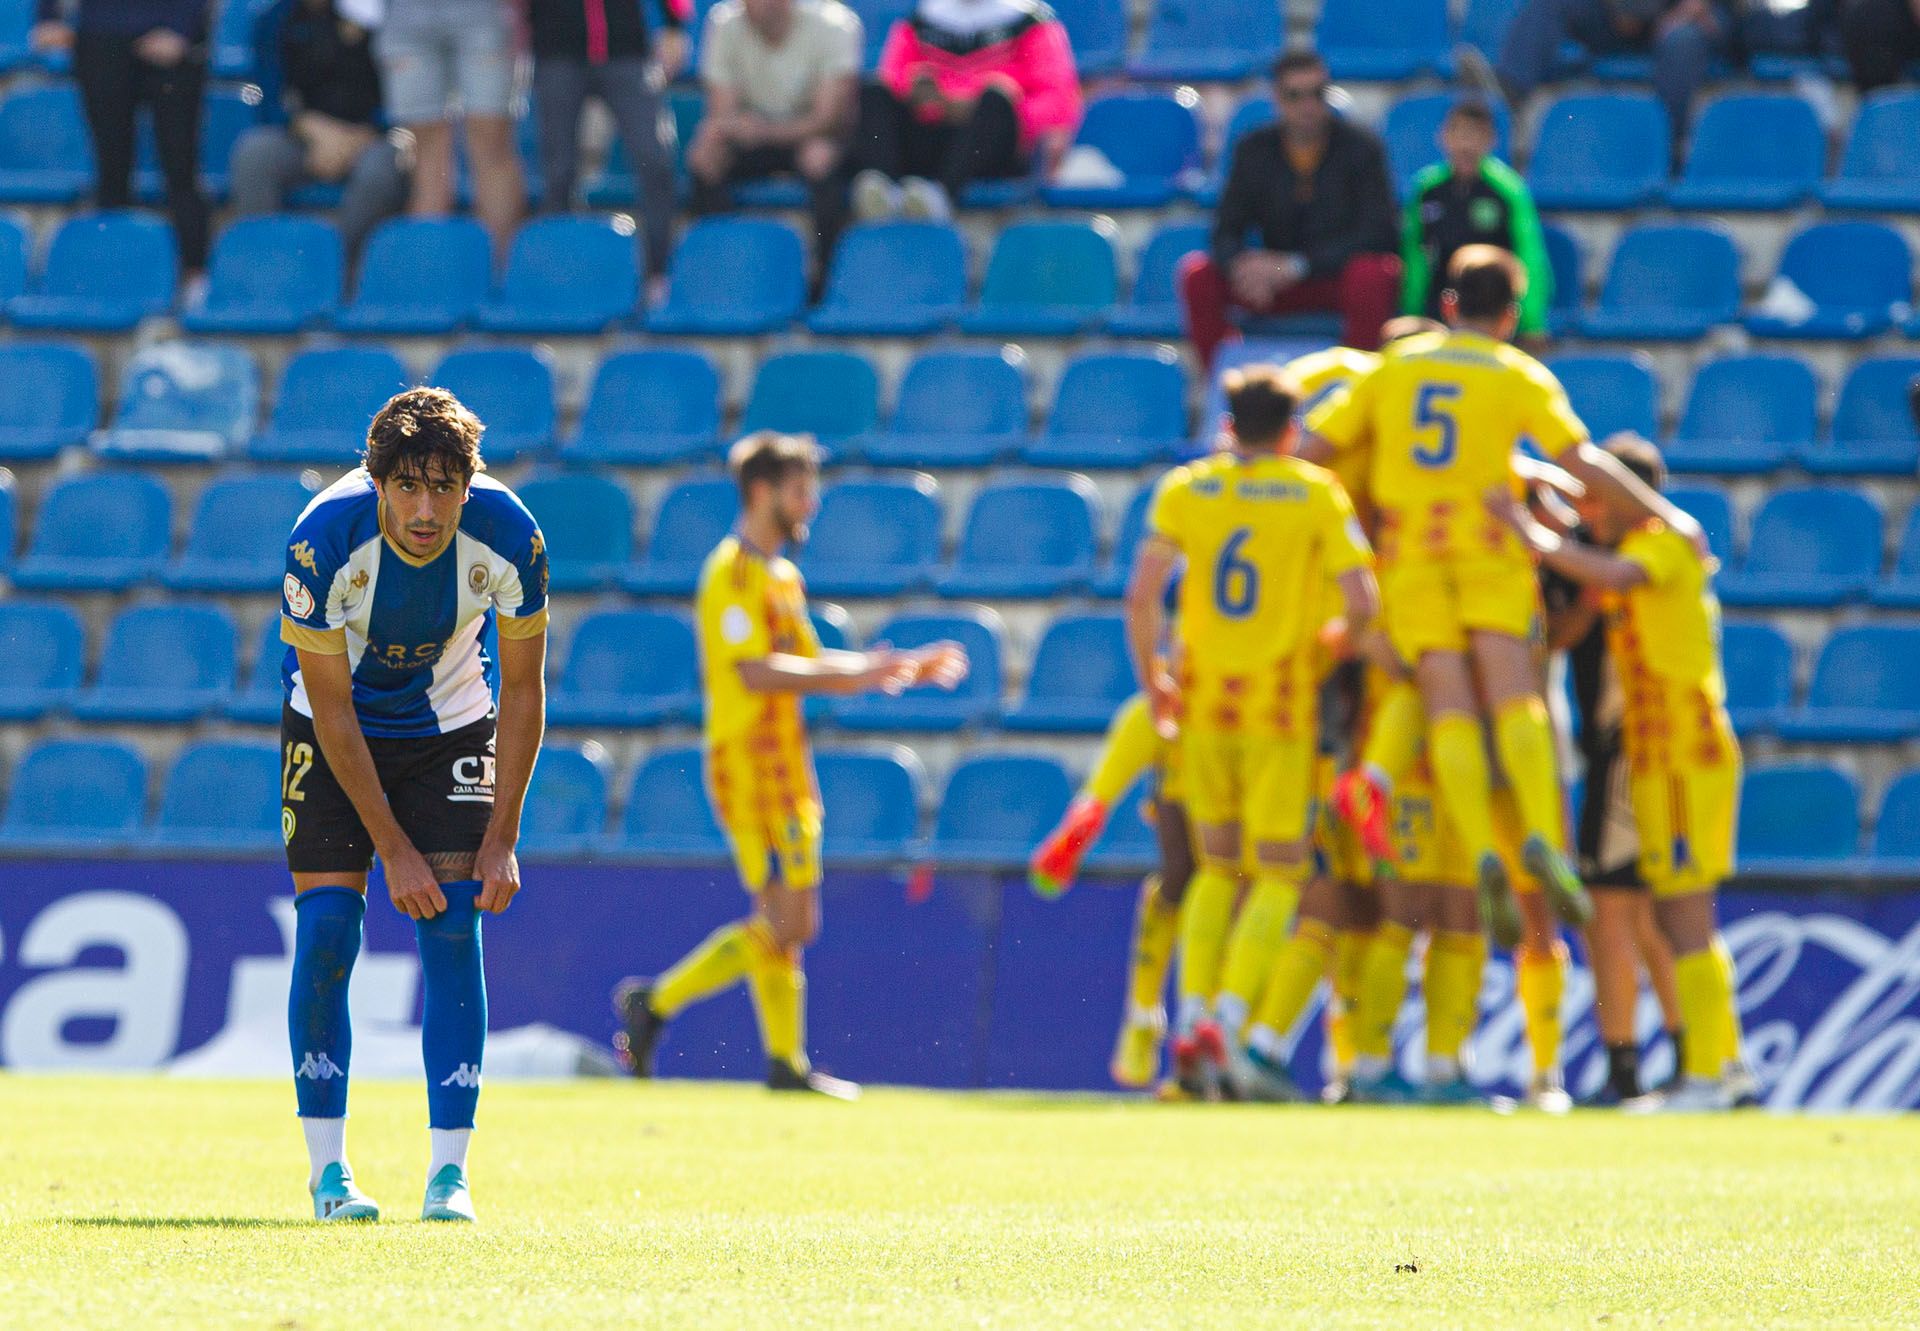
410, 628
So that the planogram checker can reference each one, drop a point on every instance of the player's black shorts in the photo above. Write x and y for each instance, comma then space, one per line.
439, 786
1609, 843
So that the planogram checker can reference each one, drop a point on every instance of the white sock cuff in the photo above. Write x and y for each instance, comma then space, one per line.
449, 1147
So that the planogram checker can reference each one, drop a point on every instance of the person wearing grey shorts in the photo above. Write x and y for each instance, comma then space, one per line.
445, 58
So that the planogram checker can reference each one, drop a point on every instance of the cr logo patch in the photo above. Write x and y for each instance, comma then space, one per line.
477, 579
299, 599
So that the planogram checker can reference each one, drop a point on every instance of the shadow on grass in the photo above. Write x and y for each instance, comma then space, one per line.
179, 1222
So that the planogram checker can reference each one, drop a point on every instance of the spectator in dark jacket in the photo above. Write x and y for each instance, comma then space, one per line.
1881, 38
129, 52
605, 48
331, 88
1312, 189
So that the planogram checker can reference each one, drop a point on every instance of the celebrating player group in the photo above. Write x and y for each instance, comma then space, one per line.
1346, 720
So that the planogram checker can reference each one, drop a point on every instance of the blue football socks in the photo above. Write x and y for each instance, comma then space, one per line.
326, 941
453, 1027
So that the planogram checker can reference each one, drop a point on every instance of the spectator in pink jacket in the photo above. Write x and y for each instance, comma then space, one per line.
968, 90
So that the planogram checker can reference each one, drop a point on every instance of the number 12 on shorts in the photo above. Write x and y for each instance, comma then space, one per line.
1433, 409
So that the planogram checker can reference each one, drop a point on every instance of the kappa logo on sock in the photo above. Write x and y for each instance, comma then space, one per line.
466, 1076
319, 1067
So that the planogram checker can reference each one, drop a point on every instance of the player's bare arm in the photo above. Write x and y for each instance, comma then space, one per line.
521, 724
1595, 468
883, 670
1146, 617
410, 879
1585, 564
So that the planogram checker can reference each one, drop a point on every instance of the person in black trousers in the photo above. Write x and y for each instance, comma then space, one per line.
126, 52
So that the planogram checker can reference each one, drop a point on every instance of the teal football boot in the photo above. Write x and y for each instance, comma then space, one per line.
447, 1196
336, 1197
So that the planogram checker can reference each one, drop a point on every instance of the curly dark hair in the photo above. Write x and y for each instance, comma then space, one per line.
424, 432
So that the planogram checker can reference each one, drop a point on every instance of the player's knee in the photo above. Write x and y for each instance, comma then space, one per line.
817, 158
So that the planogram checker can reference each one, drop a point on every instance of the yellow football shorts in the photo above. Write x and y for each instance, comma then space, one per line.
769, 810
1688, 819
1431, 605
783, 851
1430, 852
1262, 783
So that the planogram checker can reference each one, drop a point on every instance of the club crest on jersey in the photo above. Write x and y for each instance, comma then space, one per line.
303, 556
477, 579
288, 824
299, 599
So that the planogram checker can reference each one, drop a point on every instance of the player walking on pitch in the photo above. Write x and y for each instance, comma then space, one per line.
392, 745
759, 658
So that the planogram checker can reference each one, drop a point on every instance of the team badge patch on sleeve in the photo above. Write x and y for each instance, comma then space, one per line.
299, 599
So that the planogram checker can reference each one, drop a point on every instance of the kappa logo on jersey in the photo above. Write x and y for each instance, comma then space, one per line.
299, 599
466, 1076
473, 780
356, 590
303, 556
319, 1067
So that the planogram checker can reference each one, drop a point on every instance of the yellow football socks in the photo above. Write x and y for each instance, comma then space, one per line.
1523, 734
779, 996
1383, 987
1454, 965
1733, 1041
1155, 927
1542, 982
1257, 938
1395, 732
1205, 918
1349, 968
716, 964
1131, 747
1705, 981
1458, 757
1296, 974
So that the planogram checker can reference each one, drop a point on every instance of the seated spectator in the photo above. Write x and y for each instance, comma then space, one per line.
605, 48
968, 90
442, 56
1312, 189
332, 94
129, 53
1683, 37
1472, 198
781, 78
1881, 38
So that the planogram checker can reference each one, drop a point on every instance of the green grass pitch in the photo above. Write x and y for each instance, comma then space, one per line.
144, 1202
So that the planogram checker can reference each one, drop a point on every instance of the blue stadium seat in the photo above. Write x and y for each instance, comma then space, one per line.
872, 804
104, 273
956, 409
238, 540
42, 648
1387, 40
242, 37
1247, 117
1612, 393
1810, 547
733, 276
1026, 538
1667, 282
75, 795
1209, 41
162, 664
1081, 674
9, 526
184, 402
694, 516
1865, 690
16, 23
1873, 427
1896, 836
511, 389
1758, 661
1751, 152
1855, 273
1112, 579
225, 115
46, 155
1152, 138
1485, 24
1412, 134
1124, 409
1128, 844
1880, 169
587, 520
1600, 151
270, 275
419, 277
628, 668
566, 275
105, 531
893, 279
876, 537
1097, 30
996, 809
566, 811
1746, 414
1569, 278
13, 258
975, 702
328, 397
259, 700
221, 796
1153, 308
1900, 589
832, 395
668, 815
1715, 515
1797, 817
1046, 279
49, 399
650, 406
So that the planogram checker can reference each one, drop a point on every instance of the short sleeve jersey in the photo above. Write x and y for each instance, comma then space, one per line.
780, 82
1322, 376
1261, 536
748, 607
411, 628
1443, 414
1664, 636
